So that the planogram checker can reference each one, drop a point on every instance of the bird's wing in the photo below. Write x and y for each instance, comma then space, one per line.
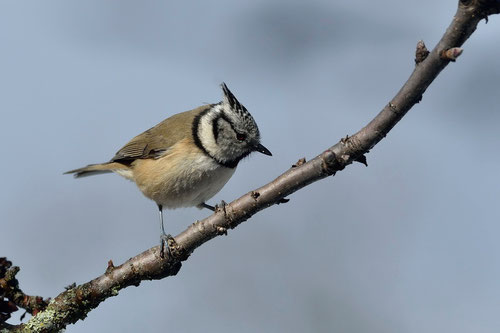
154, 142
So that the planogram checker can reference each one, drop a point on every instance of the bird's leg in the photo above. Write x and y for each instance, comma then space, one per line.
163, 236
204, 205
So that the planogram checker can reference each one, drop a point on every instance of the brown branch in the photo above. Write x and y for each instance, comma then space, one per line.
75, 303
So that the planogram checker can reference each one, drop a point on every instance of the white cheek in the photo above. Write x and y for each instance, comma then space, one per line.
206, 135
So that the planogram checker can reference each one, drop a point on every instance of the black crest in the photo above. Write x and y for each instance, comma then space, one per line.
233, 102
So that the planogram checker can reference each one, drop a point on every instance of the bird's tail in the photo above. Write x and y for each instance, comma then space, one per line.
97, 169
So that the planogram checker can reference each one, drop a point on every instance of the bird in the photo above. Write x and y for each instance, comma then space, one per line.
187, 158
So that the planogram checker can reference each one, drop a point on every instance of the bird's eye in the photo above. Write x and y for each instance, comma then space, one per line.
241, 136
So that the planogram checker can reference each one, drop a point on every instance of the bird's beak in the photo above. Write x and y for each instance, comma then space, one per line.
261, 149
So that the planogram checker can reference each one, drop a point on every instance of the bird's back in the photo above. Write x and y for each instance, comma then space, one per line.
157, 140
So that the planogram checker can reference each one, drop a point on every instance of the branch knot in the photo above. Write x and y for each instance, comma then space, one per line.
330, 164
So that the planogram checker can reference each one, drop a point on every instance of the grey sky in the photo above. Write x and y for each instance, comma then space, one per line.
409, 244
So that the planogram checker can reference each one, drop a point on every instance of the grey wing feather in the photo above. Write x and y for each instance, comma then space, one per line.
144, 145
131, 150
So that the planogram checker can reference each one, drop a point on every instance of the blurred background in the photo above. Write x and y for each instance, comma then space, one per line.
409, 244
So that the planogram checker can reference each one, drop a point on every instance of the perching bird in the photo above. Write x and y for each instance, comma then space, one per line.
187, 158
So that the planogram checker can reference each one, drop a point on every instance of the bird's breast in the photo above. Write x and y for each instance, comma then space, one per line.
183, 177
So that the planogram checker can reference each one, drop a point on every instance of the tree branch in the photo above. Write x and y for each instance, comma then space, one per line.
12, 297
73, 304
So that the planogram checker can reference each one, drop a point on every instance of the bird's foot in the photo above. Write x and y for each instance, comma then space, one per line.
221, 206
166, 242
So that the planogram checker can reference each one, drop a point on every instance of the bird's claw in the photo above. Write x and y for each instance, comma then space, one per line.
221, 206
166, 241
